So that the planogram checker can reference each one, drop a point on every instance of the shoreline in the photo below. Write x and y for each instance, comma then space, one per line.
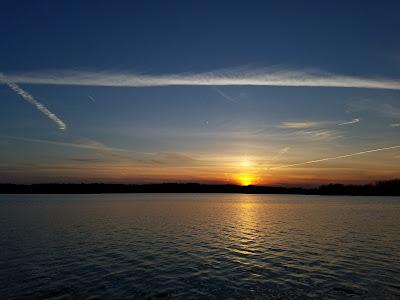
382, 188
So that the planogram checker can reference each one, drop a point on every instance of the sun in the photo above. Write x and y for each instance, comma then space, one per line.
245, 180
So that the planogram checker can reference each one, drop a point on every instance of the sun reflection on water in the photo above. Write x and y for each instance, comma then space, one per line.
244, 238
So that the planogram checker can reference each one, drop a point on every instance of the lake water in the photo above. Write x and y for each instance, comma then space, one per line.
211, 246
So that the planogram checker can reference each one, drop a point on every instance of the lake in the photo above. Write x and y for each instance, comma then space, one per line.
210, 246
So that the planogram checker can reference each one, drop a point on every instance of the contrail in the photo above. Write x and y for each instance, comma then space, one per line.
230, 77
28, 97
229, 98
279, 153
333, 158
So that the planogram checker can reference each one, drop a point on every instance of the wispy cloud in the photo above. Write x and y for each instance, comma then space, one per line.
284, 150
315, 130
395, 125
356, 120
311, 130
321, 135
115, 154
241, 77
28, 97
298, 125
314, 124
170, 158
335, 157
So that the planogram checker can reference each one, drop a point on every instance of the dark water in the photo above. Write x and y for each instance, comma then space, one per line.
199, 246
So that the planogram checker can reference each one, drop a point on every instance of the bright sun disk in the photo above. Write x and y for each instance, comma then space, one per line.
245, 180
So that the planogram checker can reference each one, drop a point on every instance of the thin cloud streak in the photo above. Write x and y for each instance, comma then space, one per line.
356, 120
84, 144
29, 98
214, 78
334, 158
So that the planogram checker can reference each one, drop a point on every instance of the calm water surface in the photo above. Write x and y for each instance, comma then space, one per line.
209, 246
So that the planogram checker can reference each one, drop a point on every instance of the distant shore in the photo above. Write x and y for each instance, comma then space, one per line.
380, 188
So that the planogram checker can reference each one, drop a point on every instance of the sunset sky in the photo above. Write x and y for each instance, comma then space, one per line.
244, 92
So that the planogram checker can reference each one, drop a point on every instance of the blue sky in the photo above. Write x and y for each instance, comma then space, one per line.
210, 91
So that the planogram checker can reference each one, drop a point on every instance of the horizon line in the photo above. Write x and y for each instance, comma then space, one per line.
199, 183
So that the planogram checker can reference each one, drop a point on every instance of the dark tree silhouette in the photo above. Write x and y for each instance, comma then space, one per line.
381, 188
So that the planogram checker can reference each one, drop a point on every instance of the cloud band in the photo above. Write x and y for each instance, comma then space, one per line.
215, 78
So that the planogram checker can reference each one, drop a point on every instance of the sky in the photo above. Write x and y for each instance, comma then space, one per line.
242, 92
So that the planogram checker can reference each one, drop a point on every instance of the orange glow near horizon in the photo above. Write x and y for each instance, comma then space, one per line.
241, 170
